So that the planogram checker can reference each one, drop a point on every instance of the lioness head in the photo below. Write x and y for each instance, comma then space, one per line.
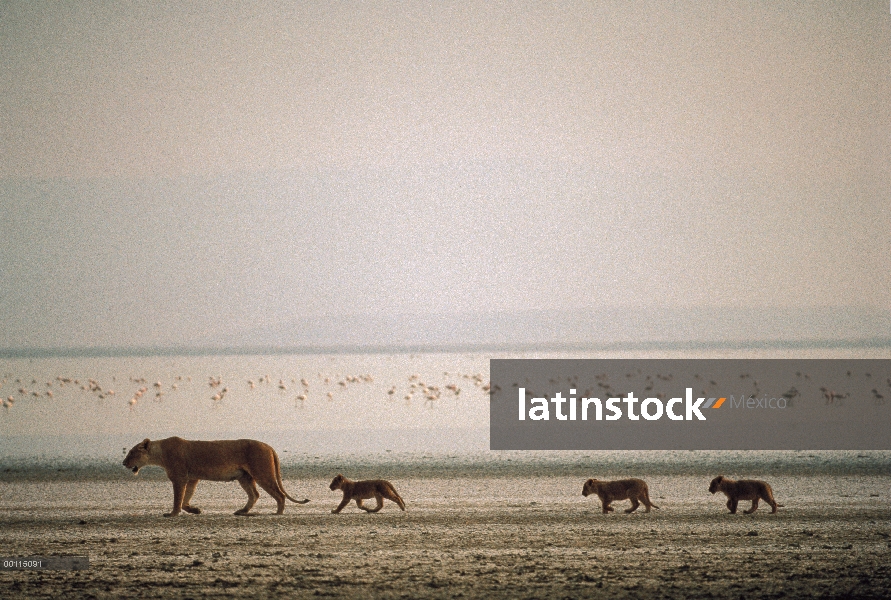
335, 484
138, 456
589, 487
715, 483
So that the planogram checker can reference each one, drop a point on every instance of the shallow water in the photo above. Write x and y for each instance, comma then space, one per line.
305, 404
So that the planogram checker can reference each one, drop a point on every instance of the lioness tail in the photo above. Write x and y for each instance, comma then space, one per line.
281, 485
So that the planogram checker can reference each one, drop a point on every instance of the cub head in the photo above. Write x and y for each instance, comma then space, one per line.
336, 482
138, 456
716, 484
589, 488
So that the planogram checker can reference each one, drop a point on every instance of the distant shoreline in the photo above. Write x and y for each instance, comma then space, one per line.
487, 465
142, 352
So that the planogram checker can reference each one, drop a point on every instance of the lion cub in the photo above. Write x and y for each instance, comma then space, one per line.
625, 489
744, 489
364, 490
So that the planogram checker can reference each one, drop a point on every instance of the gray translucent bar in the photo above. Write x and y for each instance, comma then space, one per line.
44, 563
690, 404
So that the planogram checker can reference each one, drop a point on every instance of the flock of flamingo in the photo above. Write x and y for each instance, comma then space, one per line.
415, 387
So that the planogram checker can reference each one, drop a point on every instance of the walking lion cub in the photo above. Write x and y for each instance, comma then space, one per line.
365, 490
625, 489
744, 489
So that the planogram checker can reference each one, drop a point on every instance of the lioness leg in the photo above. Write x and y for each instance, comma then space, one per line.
179, 490
247, 483
731, 504
634, 504
753, 508
187, 498
606, 507
271, 488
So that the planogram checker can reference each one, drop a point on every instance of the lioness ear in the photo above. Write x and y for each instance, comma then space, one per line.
145, 443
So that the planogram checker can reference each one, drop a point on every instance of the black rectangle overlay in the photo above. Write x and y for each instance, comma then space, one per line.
768, 404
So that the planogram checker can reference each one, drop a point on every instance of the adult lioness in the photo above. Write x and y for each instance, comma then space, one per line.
635, 490
186, 462
364, 490
744, 489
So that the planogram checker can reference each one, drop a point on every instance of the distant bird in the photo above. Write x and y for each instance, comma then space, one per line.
831, 396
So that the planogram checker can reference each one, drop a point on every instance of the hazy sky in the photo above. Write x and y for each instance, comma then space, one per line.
176, 170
